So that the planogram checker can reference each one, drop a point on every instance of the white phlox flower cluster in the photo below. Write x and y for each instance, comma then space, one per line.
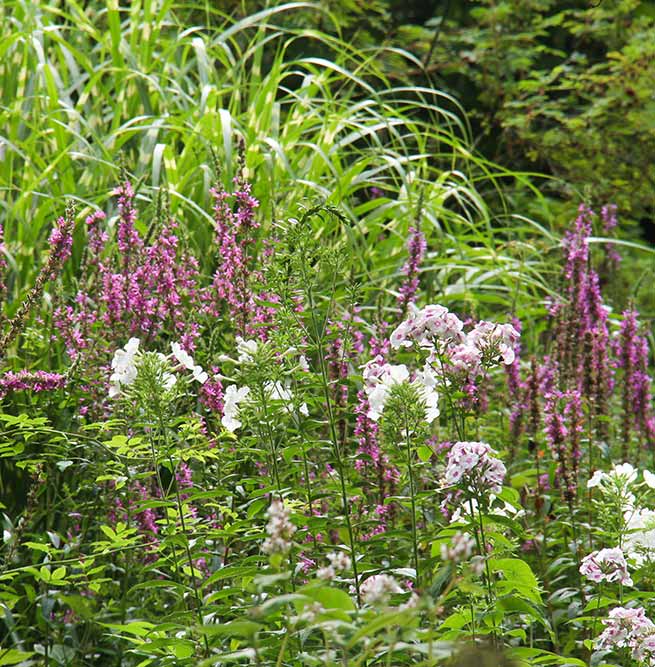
124, 367
232, 397
639, 541
380, 378
246, 349
280, 530
621, 475
186, 360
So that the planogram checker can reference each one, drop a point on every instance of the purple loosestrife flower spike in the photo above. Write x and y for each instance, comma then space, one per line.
35, 381
416, 246
61, 240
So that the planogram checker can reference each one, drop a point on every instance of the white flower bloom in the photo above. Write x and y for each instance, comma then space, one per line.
606, 565
473, 463
626, 471
246, 349
380, 378
124, 367
182, 356
433, 325
231, 399
339, 560
497, 340
620, 477
303, 363
596, 479
639, 543
304, 410
458, 549
649, 479
278, 392
186, 360
199, 375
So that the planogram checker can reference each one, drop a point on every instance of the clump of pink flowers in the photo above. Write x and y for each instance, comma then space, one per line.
279, 528
378, 589
473, 464
606, 565
627, 628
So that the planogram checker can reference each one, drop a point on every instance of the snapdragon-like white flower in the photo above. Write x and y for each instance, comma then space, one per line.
186, 360
279, 528
473, 464
231, 399
378, 588
606, 565
124, 366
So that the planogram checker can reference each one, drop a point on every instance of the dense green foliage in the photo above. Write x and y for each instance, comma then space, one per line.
272, 187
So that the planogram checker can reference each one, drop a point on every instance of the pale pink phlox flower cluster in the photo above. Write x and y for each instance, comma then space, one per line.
606, 565
629, 628
279, 528
441, 332
339, 562
474, 464
379, 588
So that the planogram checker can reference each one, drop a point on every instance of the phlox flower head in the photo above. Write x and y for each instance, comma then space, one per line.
625, 628
231, 399
639, 541
246, 350
622, 474
495, 342
472, 464
432, 326
460, 548
606, 565
339, 562
644, 650
380, 379
376, 590
124, 367
279, 528
186, 360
